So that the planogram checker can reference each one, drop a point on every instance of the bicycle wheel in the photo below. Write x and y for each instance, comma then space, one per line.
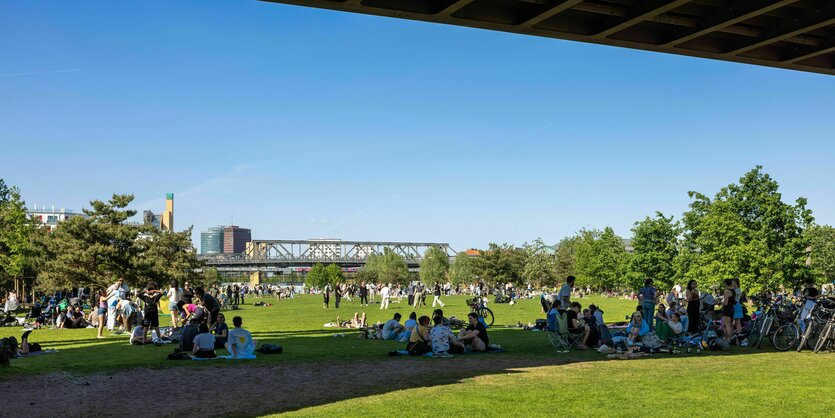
765, 330
785, 337
824, 338
815, 330
487, 314
755, 336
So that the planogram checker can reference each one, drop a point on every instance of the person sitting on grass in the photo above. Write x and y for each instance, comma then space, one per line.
444, 343
137, 337
392, 329
475, 335
637, 327
241, 344
221, 331
577, 327
204, 343
419, 338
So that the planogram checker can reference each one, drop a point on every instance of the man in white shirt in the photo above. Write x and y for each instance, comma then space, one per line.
241, 344
564, 296
392, 328
385, 292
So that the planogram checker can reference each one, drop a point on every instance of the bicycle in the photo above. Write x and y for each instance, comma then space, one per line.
819, 317
477, 306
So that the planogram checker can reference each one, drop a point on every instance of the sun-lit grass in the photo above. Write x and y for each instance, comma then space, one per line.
296, 324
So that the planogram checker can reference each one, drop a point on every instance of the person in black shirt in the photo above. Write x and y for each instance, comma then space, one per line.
363, 290
151, 296
475, 335
188, 294
210, 304
575, 326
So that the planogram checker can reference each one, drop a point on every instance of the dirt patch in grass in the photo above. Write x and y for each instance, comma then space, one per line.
242, 390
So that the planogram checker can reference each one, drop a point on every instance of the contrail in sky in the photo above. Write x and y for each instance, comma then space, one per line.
71, 70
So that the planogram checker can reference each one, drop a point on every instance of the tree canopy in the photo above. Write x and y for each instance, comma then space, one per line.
434, 266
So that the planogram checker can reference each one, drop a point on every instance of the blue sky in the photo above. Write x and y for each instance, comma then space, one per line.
302, 123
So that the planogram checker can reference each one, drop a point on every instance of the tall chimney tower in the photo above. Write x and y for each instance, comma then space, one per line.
167, 221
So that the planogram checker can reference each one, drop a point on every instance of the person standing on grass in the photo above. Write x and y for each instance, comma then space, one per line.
564, 296
385, 292
151, 296
437, 296
728, 302
175, 294
210, 304
117, 292
337, 296
326, 295
102, 311
188, 294
737, 308
363, 291
692, 295
648, 295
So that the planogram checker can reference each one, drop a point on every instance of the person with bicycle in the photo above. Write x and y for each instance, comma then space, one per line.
810, 295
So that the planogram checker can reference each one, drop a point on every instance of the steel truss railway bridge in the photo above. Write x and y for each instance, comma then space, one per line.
280, 255
792, 34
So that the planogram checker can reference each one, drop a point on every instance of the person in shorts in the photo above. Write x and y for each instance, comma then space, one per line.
151, 296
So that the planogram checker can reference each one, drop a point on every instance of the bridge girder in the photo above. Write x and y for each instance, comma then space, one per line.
791, 34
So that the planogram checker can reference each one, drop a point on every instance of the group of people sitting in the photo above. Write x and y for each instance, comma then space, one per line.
435, 336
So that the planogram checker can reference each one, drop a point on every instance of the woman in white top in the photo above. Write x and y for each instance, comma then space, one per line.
175, 294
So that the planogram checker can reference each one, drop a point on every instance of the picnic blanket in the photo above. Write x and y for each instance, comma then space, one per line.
489, 350
226, 357
37, 353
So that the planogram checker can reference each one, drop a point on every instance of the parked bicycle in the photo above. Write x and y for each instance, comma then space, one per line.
477, 306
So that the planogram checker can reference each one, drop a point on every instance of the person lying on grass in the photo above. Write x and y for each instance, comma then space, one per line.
204, 343
475, 335
357, 322
240, 342
444, 343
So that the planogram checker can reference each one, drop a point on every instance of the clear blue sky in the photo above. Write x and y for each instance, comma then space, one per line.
305, 123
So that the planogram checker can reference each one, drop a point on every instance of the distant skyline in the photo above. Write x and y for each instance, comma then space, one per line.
300, 123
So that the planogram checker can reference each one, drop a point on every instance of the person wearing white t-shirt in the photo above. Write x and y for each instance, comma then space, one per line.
117, 292
240, 343
175, 294
385, 292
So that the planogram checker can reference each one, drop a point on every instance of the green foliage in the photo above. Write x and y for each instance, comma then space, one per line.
334, 274
388, 267
209, 277
655, 244
501, 264
822, 242
601, 259
434, 266
746, 231
540, 267
17, 233
167, 256
463, 269
566, 257
317, 277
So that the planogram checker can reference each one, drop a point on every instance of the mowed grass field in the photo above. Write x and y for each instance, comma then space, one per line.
741, 382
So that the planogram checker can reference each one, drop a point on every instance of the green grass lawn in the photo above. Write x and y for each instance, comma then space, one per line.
740, 382
296, 324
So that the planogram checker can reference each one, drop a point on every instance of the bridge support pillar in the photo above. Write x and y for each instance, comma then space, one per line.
255, 278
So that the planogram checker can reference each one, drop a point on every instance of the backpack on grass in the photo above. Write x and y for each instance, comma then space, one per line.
270, 349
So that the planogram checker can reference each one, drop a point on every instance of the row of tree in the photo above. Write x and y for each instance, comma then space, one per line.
91, 250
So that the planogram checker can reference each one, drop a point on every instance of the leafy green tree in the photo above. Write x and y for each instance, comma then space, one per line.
822, 246
388, 267
166, 256
96, 249
317, 277
566, 258
747, 232
434, 266
655, 244
210, 277
17, 234
463, 269
540, 267
501, 264
334, 274
602, 260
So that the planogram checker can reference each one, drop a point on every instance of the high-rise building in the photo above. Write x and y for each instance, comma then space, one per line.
211, 240
151, 218
235, 239
167, 221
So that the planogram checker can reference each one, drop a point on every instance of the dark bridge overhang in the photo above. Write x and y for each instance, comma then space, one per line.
792, 34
